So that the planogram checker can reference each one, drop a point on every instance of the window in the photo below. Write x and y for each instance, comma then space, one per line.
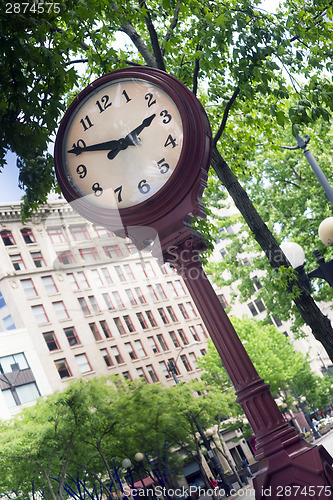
223, 300
105, 328
141, 374
80, 232
172, 314
119, 273
174, 339
72, 337
145, 270
164, 369
49, 285
28, 236
153, 345
63, 368
127, 376
60, 310
120, 326
95, 331
172, 363
7, 238
8, 322
129, 272
106, 357
190, 310
203, 352
51, 341
183, 311
131, 248
130, 350
107, 301
277, 321
29, 288
131, 297
66, 257
160, 291
193, 360
72, 280
13, 362
152, 293
182, 336
186, 363
116, 354
201, 331
106, 275
139, 348
129, 324
163, 315
151, 318
176, 288
40, 314
162, 343
140, 295
194, 334
56, 235
256, 307
83, 363
256, 283
17, 262
93, 303
2, 301
152, 373
97, 278
82, 280
22, 394
117, 300
89, 255
38, 259
84, 307
102, 232
113, 251
142, 321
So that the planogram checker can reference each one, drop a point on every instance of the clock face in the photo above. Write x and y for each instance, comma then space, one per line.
122, 143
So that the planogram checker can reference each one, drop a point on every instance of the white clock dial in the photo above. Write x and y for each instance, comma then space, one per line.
123, 143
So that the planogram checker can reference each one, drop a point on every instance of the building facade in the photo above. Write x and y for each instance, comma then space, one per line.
90, 304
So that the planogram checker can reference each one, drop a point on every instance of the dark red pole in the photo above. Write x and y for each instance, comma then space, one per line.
289, 466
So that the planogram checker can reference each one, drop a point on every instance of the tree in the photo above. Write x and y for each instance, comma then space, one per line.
234, 55
76, 439
276, 362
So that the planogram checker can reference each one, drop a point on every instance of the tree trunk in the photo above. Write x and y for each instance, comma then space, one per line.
319, 323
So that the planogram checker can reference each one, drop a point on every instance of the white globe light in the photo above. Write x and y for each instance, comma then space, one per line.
126, 463
294, 253
138, 457
325, 231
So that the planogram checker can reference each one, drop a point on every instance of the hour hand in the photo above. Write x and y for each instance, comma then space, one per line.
131, 139
102, 146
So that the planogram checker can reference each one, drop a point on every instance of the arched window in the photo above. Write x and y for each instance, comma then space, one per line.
28, 236
7, 238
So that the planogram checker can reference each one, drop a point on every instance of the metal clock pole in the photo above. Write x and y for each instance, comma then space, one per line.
289, 466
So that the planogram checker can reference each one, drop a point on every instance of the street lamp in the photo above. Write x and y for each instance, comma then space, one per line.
301, 400
206, 442
127, 464
295, 254
172, 366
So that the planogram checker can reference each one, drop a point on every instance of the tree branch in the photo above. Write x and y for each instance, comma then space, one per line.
129, 30
172, 26
225, 115
153, 37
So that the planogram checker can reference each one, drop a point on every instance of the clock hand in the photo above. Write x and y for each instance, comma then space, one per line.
102, 146
131, 139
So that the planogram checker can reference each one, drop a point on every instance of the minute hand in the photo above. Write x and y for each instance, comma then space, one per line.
102, 146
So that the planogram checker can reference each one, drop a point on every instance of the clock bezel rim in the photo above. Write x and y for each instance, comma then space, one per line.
195, 152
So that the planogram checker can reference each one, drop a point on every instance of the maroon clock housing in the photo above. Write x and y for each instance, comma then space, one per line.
133, 149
